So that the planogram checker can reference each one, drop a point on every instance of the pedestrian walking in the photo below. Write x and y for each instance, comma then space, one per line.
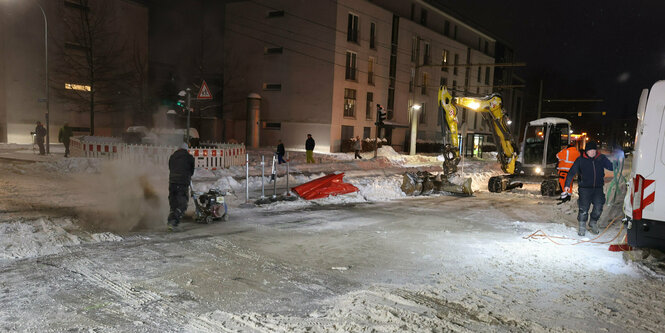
566, 158
280, 152
309, 149
40, 133
591, 166
181, 169
358, 146
64, 136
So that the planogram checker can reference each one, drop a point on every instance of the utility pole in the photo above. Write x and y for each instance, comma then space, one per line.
189, 103
540, 99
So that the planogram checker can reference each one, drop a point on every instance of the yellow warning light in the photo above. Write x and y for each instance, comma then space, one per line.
579, 114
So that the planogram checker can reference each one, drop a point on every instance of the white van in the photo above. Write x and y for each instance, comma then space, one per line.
644, 203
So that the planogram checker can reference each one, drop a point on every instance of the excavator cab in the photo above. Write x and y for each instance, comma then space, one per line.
543, 139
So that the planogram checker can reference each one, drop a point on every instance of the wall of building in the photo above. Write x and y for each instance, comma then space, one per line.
23, 78
304, 69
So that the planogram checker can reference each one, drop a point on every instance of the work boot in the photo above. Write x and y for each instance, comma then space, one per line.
593, 225
582, 229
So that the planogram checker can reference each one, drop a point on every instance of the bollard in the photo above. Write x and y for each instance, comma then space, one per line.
274, 181
263, 175
287, 174
247, 179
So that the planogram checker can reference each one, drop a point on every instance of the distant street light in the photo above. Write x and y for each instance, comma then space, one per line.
414, 127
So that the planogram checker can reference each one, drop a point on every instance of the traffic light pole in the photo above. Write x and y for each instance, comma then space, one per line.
189, 102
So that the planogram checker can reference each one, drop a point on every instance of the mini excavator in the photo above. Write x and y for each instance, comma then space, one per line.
552, 134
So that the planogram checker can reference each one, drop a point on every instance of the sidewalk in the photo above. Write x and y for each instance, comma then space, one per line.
25, 153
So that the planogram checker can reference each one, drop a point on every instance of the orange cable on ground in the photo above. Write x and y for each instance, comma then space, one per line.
540, 233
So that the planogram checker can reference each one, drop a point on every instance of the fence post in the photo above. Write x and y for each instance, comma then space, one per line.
263, 174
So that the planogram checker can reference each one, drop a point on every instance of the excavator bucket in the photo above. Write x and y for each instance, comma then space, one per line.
425, 183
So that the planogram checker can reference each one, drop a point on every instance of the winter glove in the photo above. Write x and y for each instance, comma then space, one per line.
565, 197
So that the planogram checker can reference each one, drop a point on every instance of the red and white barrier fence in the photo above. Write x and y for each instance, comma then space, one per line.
220, 157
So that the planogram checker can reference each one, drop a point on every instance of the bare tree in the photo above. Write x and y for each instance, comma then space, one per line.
96, 62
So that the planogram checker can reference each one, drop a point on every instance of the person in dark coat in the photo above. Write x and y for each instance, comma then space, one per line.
64, 136
357, 147
591, 166
309, 149
280, 152
181, 169
40, 133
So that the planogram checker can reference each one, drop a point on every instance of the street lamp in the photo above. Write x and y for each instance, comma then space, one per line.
414, 128
48, 136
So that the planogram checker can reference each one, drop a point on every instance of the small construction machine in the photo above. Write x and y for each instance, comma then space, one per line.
544, 138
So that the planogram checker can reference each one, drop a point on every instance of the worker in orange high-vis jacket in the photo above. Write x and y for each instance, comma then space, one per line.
566, 158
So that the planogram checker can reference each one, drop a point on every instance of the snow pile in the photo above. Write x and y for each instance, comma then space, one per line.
72, 165
479, 171
26, 239
379, 188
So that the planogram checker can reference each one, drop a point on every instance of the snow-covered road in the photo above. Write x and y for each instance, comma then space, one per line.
82, 248
426, 264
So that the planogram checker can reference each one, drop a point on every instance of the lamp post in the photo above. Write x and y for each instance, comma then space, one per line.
414, 128
48, 121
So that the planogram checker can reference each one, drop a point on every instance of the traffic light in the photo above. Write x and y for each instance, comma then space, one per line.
380, 115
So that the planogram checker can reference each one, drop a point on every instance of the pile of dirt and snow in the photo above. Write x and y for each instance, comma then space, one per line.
72, 165
21, 239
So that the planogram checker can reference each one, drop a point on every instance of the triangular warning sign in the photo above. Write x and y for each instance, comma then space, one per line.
204, 92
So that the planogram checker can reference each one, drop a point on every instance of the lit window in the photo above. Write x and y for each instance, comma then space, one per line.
350, 103
351, 66
73, 86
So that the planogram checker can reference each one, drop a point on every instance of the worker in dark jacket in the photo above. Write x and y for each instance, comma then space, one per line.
181, 169
591, 166
65, 136
40, 133
280, 152
309, 148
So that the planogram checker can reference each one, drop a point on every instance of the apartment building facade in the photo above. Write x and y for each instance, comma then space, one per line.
321, 68
119, 30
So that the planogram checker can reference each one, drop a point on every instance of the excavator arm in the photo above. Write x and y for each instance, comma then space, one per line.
491, 107
448, 111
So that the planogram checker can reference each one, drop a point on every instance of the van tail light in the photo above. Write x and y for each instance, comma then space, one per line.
638, 197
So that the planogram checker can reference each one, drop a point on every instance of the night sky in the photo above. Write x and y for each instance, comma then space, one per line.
609, 50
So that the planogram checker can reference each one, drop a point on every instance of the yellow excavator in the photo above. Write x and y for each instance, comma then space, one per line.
552, 135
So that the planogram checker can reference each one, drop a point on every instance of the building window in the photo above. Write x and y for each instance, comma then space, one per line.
487, 75
76, 46
272, 126
372, 35
423, 16
275, 13
444, 60
412, 79
446, 28
487, 46
455, 64
350, 103
351, 66
414, 48
370, 71
443, 82
368, 106
480, 69
423, 89
454, 85
367, 132
79, 87
273, 50
439, 116
455, 33
352, 29
347, 132
423, 114
427, 56
272, 86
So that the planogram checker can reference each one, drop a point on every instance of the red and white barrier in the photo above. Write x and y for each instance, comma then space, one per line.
220, 157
